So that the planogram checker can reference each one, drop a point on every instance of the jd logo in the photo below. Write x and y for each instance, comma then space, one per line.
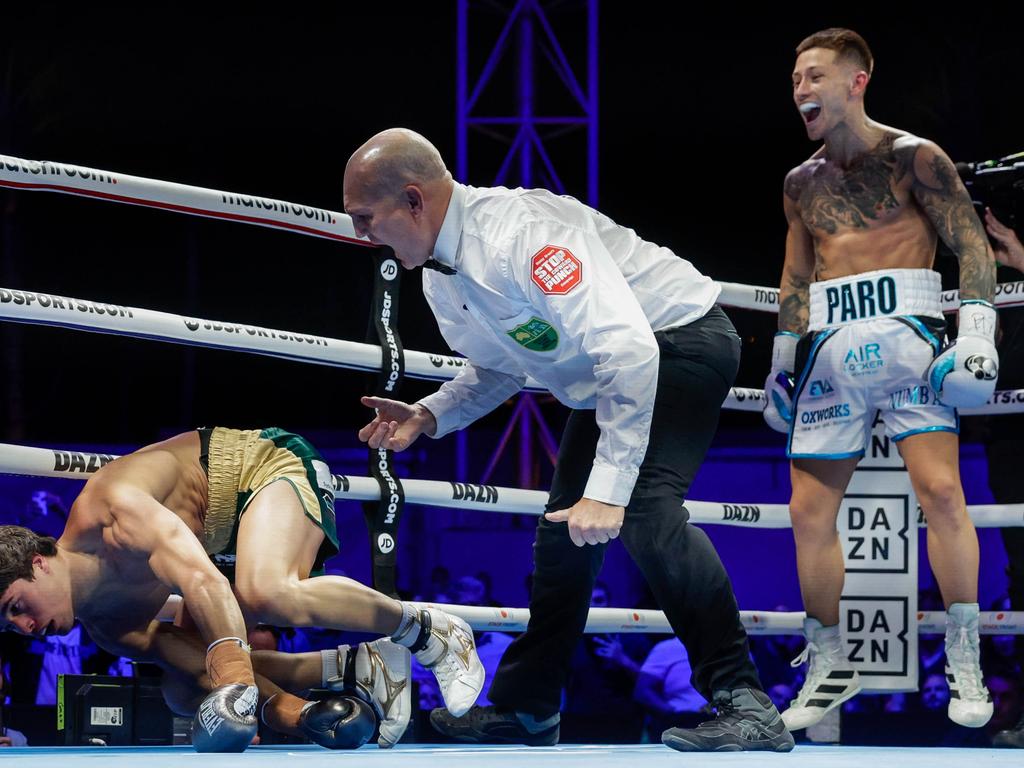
536, 335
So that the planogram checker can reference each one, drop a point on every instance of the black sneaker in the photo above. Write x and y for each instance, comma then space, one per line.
1012, 737
745, 720
490, 725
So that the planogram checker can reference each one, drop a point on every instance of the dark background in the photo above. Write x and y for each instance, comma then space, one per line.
697, 132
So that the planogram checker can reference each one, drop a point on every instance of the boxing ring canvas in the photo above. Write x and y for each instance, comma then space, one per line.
454, 756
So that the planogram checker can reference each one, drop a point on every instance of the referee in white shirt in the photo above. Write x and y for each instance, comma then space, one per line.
628, 335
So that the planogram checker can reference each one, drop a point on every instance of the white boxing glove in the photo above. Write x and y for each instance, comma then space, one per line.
964, 374
778, 387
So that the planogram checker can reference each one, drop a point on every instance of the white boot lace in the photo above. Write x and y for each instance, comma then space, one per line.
963, 657
816, 671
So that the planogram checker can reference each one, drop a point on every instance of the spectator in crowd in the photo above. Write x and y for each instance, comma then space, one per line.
61, 655
773, 655
599, 702
1006, 702
490, 646
665, 691
935, 693
9, 737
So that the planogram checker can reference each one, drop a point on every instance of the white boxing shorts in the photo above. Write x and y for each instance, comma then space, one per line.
871, 337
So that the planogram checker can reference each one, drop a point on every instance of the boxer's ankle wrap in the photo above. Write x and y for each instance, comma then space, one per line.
408, 620
424, 635
227, 661
405, 636
329, 666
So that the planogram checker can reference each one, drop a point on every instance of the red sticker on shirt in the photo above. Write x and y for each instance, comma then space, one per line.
556, 270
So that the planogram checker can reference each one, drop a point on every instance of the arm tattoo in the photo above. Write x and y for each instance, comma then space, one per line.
794, 304
793, 186
949, 208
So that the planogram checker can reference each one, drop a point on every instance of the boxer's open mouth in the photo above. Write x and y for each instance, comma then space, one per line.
810, 112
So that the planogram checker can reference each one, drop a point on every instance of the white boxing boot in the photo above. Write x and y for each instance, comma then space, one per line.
970, 703
831, 679
444, 644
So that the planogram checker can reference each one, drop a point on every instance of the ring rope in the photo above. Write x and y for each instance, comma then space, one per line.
486, 618
46, 462
49, 176
99, 317
51, 462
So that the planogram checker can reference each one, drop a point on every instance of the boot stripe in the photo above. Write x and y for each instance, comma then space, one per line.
841, 674
823, 703
830, 689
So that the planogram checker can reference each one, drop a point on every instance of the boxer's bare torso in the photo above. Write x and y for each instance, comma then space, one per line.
885, 207
863, 217
126, 594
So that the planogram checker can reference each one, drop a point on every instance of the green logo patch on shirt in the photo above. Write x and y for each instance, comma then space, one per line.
536, 335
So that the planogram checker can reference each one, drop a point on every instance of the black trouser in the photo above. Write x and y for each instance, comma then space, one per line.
698, 365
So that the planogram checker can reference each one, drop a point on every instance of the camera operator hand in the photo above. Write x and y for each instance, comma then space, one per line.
1007, 245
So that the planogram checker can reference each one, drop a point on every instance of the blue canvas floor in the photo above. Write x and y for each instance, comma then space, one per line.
453, 756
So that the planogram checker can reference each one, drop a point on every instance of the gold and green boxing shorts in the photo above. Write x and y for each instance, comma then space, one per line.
239, 464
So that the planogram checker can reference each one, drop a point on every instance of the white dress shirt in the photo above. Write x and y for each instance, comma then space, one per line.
550, 288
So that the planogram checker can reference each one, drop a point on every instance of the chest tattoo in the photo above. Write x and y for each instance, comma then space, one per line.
832, 198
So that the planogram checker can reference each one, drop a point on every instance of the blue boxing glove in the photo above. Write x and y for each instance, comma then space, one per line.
964, 374
226, 720
778, 387
344, 722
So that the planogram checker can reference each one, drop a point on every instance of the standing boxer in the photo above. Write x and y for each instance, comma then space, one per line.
861, 330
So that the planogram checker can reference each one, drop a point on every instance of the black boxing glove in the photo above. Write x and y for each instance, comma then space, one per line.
343, 722
226, 720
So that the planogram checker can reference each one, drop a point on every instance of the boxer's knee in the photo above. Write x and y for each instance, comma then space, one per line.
268, 602
812, 521
941, 498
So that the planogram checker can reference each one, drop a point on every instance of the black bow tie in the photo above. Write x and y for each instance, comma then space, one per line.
437, 266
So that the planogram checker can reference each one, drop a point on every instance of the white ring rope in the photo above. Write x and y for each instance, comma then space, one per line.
487, 619
46, 462
49, 176
51, 462
45, 175
99, 317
